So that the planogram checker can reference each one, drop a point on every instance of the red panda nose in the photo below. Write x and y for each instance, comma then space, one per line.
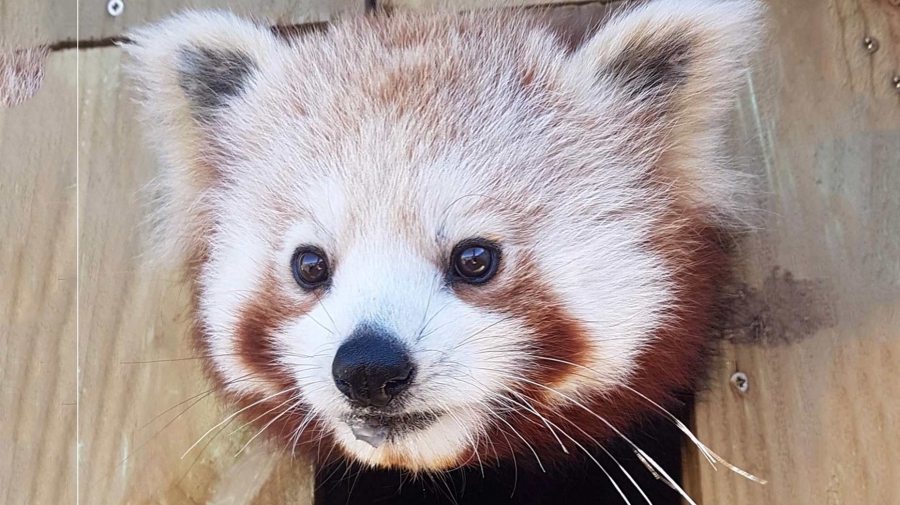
372, 368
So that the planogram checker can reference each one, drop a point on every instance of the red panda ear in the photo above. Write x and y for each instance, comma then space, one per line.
189, 72
669, 72
674, 55
189, 69
195, 62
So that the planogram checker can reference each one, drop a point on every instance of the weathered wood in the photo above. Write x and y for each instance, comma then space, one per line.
96, 23
818, 338
30, 22
37, 299
425, 5
133, 340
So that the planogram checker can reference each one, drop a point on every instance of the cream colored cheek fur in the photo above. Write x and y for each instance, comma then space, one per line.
238, 246
616, 289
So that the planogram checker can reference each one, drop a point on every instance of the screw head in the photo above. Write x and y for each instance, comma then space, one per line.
896, 80
115, 7
740, 381
870, 44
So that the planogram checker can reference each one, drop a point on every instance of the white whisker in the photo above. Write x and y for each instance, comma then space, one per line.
711, 456
619, 433
232, 416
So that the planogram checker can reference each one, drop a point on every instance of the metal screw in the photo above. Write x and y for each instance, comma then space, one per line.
740, 381
896, 80
115, 7
871, 44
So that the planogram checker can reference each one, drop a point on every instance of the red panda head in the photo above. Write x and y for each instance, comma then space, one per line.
428, 241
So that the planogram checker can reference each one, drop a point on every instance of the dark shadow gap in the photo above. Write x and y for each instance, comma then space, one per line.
576, 481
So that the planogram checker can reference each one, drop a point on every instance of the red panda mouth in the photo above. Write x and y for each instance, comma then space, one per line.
376, 429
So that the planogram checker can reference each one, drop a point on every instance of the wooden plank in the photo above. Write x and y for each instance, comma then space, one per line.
37, 301
97, 23
425, 5
132, 327
816, 327
28, 22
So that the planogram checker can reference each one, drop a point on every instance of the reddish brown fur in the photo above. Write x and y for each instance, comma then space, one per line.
530, 299
261, 317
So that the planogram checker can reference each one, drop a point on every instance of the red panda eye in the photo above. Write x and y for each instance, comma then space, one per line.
475, 261
310, 267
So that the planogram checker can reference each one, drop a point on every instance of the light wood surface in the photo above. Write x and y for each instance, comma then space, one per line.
37, 292
818, 339
96, 23
31, 22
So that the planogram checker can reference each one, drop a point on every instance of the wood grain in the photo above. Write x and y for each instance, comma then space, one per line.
37, 299
818, 338
33, 22
136, 358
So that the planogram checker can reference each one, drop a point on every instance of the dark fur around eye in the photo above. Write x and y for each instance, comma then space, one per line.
209, 78
310, 267
474, 261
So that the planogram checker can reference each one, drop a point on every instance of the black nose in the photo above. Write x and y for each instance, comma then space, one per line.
372, 368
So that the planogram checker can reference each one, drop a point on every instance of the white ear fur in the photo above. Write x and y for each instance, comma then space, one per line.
196, 60
186, 71
675, 49
671, 71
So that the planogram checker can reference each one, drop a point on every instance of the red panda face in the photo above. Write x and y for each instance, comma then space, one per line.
434, 241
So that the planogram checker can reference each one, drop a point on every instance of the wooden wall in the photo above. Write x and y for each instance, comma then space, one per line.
815, 329
37, 293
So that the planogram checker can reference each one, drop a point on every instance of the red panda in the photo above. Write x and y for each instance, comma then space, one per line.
422, 241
